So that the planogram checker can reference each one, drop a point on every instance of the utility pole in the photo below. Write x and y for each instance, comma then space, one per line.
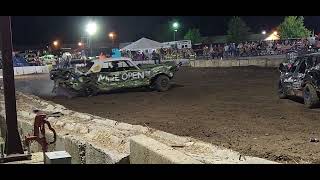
13, 141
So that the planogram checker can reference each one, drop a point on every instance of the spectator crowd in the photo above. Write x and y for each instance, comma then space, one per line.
227, 50
202, 51
163, 54
255, 48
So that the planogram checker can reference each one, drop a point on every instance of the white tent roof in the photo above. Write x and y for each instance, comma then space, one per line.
143, 44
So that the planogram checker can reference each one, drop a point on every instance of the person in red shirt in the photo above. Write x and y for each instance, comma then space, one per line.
102, 56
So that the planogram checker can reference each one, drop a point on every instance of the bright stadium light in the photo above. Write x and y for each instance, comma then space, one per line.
55, 43
264, 32
91, 28
80, 44
111, 35
175, 25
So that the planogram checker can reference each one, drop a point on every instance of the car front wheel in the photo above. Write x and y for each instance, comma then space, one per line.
310, 96
162, 83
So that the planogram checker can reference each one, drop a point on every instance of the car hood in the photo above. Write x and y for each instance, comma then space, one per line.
150, 67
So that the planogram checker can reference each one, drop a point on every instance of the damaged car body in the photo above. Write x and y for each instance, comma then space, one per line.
301, 78
113, 74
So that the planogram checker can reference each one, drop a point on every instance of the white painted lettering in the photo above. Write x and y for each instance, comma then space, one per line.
124, 76
134, 75
141, 75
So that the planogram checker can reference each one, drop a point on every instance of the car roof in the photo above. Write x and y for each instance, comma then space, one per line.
114, 59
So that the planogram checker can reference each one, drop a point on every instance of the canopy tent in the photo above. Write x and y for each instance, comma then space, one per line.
143, 44
17, 61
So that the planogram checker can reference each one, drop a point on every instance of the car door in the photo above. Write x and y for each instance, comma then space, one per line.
108, 77
120, 74
298, 76
288, 76
131, 75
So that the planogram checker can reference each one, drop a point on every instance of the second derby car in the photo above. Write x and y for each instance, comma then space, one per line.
301, 78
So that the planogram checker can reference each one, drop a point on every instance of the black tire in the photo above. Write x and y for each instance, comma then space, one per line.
281, 91
310, 96
88, 91
92, 91
162, 83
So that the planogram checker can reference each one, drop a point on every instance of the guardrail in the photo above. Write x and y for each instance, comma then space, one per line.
237, 63
29, 70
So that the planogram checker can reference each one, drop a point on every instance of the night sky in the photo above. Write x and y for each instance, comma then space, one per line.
34, 30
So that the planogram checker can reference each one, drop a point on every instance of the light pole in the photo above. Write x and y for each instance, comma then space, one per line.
175, 27
174, 34
91, 29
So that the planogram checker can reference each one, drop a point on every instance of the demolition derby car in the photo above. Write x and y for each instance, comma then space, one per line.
301, 78
112, 74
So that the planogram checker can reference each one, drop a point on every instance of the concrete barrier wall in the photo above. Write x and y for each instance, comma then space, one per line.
29, 70
41, 69
236, 63
144, 150
225, 64
274, 63
254, 62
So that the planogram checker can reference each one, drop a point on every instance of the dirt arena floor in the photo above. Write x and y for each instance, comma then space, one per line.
237, 108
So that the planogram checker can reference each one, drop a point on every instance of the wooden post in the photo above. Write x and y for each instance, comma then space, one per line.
13, 141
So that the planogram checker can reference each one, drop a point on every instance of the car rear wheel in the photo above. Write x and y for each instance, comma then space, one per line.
281, 91
310, 96
162, 83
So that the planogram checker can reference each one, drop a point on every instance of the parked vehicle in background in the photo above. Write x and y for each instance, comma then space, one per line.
178, 44
48, 59
30, 57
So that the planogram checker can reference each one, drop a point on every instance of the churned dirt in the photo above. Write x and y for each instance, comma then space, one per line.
237, 108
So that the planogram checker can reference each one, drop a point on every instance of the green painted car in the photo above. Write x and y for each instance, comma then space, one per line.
48, 59
113, 74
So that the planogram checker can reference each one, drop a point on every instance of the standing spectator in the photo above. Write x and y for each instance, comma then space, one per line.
226, 50
162, 52
220, 51
211, 52
233, 49
215, 52
156, 57
240, 49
